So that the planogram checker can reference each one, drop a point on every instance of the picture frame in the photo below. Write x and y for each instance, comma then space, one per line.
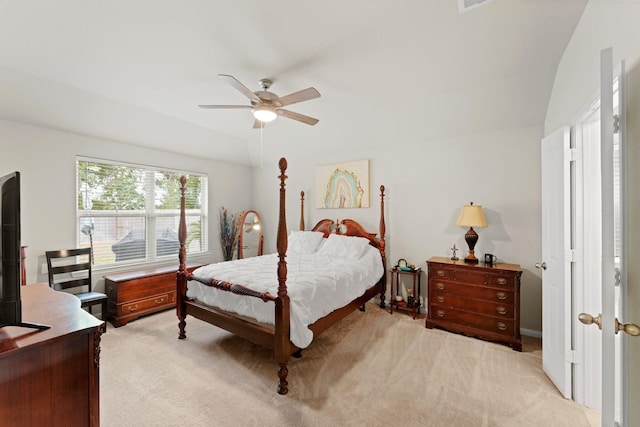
343, 185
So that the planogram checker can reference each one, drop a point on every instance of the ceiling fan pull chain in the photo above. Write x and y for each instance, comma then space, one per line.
261, 145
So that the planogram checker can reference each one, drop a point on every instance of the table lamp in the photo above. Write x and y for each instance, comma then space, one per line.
471, 216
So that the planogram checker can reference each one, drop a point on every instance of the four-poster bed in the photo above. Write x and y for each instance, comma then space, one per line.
281, 331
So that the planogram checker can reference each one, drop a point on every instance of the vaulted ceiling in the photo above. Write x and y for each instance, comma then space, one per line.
407, 71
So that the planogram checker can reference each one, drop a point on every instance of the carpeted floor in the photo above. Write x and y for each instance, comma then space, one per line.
370, 369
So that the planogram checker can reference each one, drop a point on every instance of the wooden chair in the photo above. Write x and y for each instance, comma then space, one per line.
70, 274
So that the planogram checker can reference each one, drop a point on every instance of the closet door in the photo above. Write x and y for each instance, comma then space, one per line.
555, 267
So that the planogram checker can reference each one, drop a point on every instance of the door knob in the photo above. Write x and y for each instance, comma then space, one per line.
628, 328
541, 265
588, 319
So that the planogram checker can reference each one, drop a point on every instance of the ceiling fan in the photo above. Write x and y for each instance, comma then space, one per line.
265, 105
250, 226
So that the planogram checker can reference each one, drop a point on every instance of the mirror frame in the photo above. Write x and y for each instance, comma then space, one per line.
241, 237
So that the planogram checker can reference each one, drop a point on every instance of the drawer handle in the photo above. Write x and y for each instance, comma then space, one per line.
440, 298
501, 310
133, 307
501, 326
502, 281
501, 295
159, 301
440, 273
440, 286
440, 313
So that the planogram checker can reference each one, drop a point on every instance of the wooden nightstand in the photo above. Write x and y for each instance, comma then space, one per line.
414, 307
475, 299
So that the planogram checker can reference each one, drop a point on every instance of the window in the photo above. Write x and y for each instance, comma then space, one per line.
131, 213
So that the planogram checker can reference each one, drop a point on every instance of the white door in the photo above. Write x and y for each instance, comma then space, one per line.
608, 234
556, 269
614, 256
630, 307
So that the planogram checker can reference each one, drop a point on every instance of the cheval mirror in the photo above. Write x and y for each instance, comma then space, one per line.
250, 240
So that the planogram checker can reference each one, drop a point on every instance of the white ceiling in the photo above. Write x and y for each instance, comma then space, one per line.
389, 72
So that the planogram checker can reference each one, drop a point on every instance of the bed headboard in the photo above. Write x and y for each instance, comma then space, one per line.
349, 227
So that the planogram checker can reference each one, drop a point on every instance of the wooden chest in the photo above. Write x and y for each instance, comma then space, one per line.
136, 293
475, 299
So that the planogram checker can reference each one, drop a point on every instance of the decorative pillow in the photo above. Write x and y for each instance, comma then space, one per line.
338, 246
304, 242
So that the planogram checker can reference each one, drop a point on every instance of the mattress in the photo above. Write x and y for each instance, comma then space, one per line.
316, 285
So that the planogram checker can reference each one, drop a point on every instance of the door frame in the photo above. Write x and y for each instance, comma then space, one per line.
586, 271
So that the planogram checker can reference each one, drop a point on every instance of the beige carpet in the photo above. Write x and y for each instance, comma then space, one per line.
370, 369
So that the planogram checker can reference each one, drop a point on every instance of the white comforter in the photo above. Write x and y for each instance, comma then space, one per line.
316, 285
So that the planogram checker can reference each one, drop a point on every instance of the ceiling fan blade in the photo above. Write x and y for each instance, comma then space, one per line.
225, 106
297, 116
239, 86
302, 95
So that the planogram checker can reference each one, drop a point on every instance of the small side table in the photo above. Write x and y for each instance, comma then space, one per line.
414, 307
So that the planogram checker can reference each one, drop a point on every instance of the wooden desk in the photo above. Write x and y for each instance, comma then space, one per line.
50, 377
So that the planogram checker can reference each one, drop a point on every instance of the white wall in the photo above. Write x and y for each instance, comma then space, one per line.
604, 23
609, 24
426, 184
46, 161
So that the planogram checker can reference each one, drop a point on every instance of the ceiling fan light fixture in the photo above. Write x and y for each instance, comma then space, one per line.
265, 114
267, 106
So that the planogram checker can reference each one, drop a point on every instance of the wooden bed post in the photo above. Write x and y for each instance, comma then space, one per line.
282, 345
382, 230
181, 280
302, 211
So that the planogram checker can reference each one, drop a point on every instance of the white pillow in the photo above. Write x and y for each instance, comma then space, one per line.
304, 242
339, 246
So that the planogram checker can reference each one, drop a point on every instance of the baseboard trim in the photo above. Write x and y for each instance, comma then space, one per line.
531, 333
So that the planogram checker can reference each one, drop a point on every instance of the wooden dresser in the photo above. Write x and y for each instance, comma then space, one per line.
475, 299
50, 377
136, 293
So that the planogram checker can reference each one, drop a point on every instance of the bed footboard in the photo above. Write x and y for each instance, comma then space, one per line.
232, 287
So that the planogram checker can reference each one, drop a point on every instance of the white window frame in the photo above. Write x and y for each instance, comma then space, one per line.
150, 214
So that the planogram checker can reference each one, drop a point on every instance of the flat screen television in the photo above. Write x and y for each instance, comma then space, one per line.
10, 304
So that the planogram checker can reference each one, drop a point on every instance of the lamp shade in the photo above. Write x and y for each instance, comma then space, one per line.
265, 114
471, 216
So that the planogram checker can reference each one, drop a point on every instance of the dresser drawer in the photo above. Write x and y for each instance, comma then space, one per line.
496, 309
504, 296
480, 278
153, 303
487, 323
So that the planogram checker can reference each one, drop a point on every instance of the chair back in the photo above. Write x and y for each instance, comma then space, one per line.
70, 270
